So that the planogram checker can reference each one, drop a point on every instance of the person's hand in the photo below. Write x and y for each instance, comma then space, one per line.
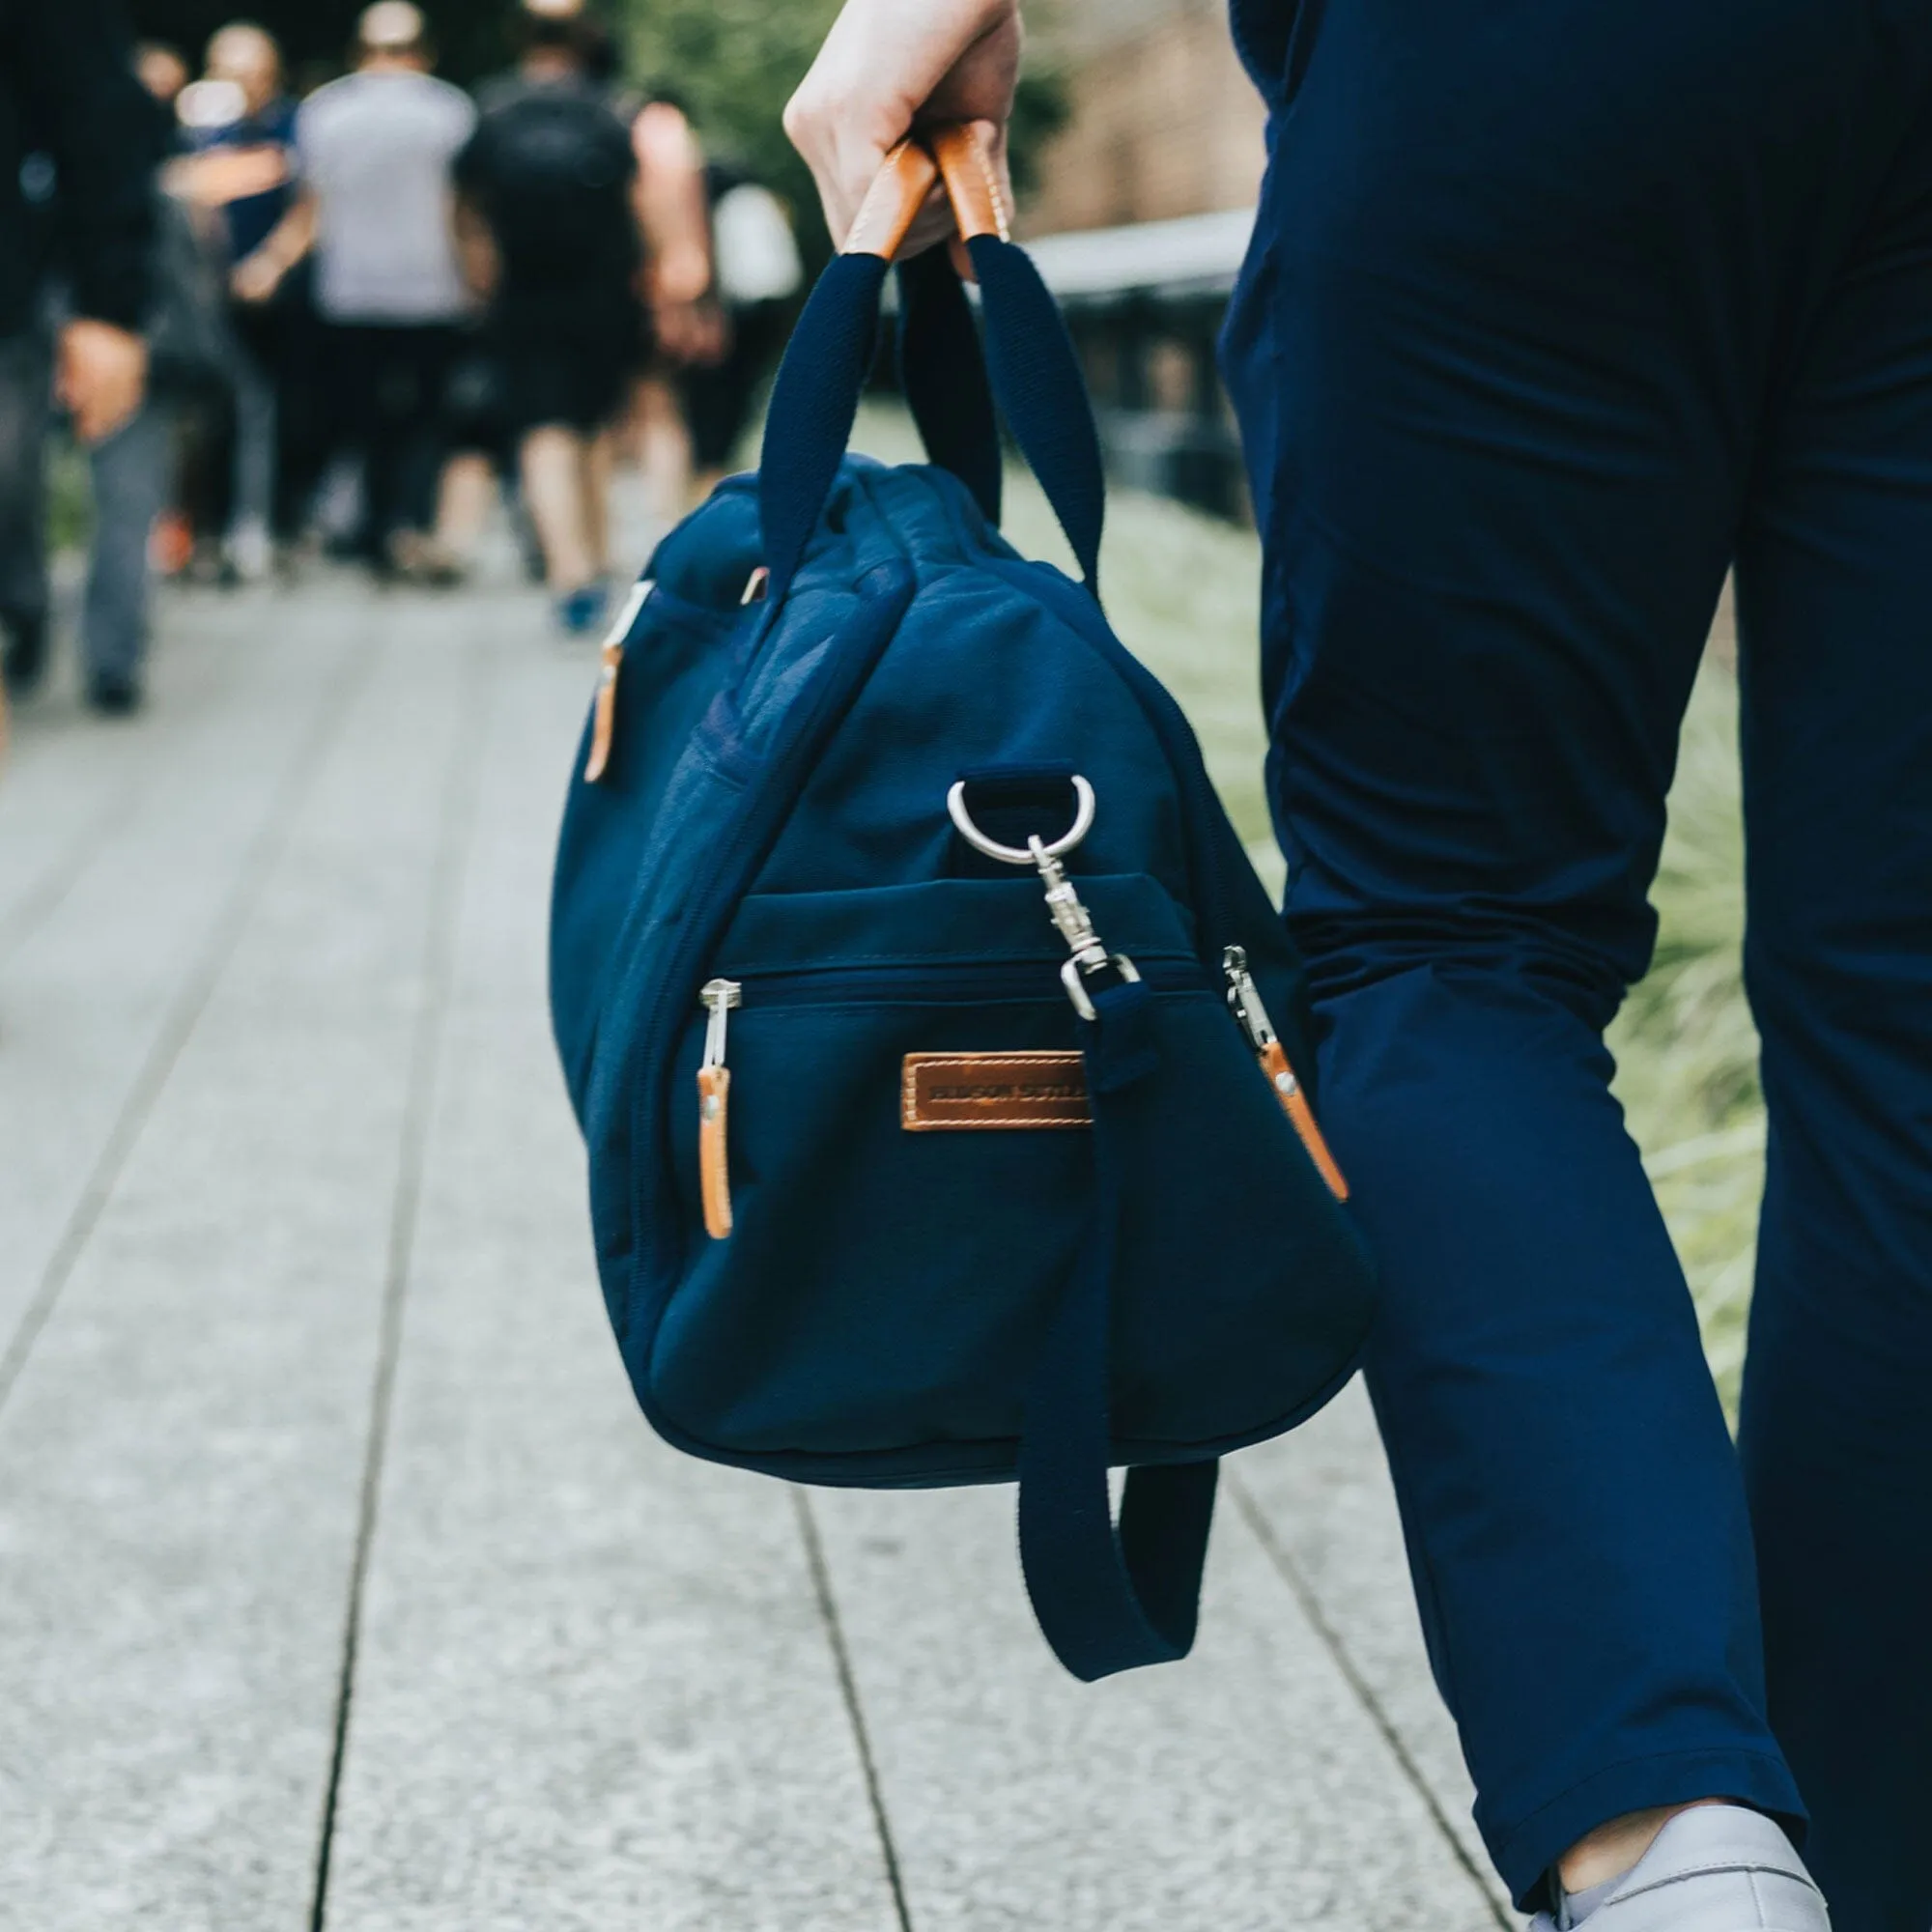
886, 64
100, 374
256, 278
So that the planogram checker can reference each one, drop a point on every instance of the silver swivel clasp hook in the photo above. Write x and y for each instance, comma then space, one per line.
1089, 952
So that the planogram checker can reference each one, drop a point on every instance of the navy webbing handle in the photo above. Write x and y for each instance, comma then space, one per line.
943, 375
1108, 1599
1034, 376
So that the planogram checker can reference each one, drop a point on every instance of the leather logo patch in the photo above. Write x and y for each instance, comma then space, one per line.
963, 1092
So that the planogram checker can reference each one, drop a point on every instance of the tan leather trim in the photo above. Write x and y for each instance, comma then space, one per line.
1302, 1117
603, 715
972, 182
714, 1168
955, 1092
897, 194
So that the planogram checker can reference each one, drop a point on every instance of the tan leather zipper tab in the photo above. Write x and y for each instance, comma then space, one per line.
604, 713
713, 1164
1302, 1117
713, 1096
1244, 1002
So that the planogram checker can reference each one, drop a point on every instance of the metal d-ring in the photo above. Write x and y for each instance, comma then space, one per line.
1021, 854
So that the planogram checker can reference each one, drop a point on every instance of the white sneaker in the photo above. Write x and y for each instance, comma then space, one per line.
251, 554
1714, 1868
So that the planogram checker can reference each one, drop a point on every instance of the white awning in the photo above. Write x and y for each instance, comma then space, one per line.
1195, 254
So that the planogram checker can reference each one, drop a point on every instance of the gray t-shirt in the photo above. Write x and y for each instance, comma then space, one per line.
376, 150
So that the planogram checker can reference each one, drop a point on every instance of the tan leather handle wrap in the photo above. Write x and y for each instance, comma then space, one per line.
971, 183
948, 151
897, 194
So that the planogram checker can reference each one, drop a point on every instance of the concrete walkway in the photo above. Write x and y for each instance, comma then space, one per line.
341, 1583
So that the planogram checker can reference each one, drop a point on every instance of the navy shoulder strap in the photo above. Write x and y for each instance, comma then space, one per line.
1107, 1599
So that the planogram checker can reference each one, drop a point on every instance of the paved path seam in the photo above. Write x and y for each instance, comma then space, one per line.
455, 840
1290, 1572
185, 1012
848, 1690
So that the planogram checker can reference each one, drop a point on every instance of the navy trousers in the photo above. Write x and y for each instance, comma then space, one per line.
1558, 310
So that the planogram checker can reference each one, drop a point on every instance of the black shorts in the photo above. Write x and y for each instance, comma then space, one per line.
564, 357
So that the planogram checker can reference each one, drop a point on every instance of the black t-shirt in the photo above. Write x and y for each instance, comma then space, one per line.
550, 168
71, 113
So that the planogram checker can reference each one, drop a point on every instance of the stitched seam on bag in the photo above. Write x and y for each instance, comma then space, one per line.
990, 1065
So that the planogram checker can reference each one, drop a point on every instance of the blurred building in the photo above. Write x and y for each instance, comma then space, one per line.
1164, 122
1145, 203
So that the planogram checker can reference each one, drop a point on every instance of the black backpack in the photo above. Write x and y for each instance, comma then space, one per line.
552, 169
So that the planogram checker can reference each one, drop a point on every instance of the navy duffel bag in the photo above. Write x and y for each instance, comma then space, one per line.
914, 991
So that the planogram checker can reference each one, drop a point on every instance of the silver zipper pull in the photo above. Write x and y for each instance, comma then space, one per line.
719, 997
1244, 998
1090, 955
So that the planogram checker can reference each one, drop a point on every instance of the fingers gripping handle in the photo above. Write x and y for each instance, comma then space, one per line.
951, 152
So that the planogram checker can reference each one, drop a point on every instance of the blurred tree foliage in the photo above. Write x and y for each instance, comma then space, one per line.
732, 65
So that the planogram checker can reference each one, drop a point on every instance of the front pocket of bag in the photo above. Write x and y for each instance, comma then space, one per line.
897, 1235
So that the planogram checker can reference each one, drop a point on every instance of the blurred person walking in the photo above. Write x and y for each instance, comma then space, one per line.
688, 329
375, 151
76, 161
162, 72
245, 167
548, 182
189, 354
758, 274
1553, 316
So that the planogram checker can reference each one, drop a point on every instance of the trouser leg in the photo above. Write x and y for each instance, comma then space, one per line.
391, 379
1836, 640
1501, 352
307, 428
406, 439
254, 483
26, 372
424, 440
131, 486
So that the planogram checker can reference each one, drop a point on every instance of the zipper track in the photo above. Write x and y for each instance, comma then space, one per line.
1007, 983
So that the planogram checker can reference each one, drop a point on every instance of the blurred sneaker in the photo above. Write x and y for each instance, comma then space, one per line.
209, 564
297, 557
580, 612
26, 658
251, 553
114, 694
439, 566
424, 558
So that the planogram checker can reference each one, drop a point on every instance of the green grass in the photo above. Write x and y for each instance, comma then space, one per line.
1687, 1050
1182, 591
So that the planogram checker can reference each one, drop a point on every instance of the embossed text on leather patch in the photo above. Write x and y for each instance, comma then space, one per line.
962, 1092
